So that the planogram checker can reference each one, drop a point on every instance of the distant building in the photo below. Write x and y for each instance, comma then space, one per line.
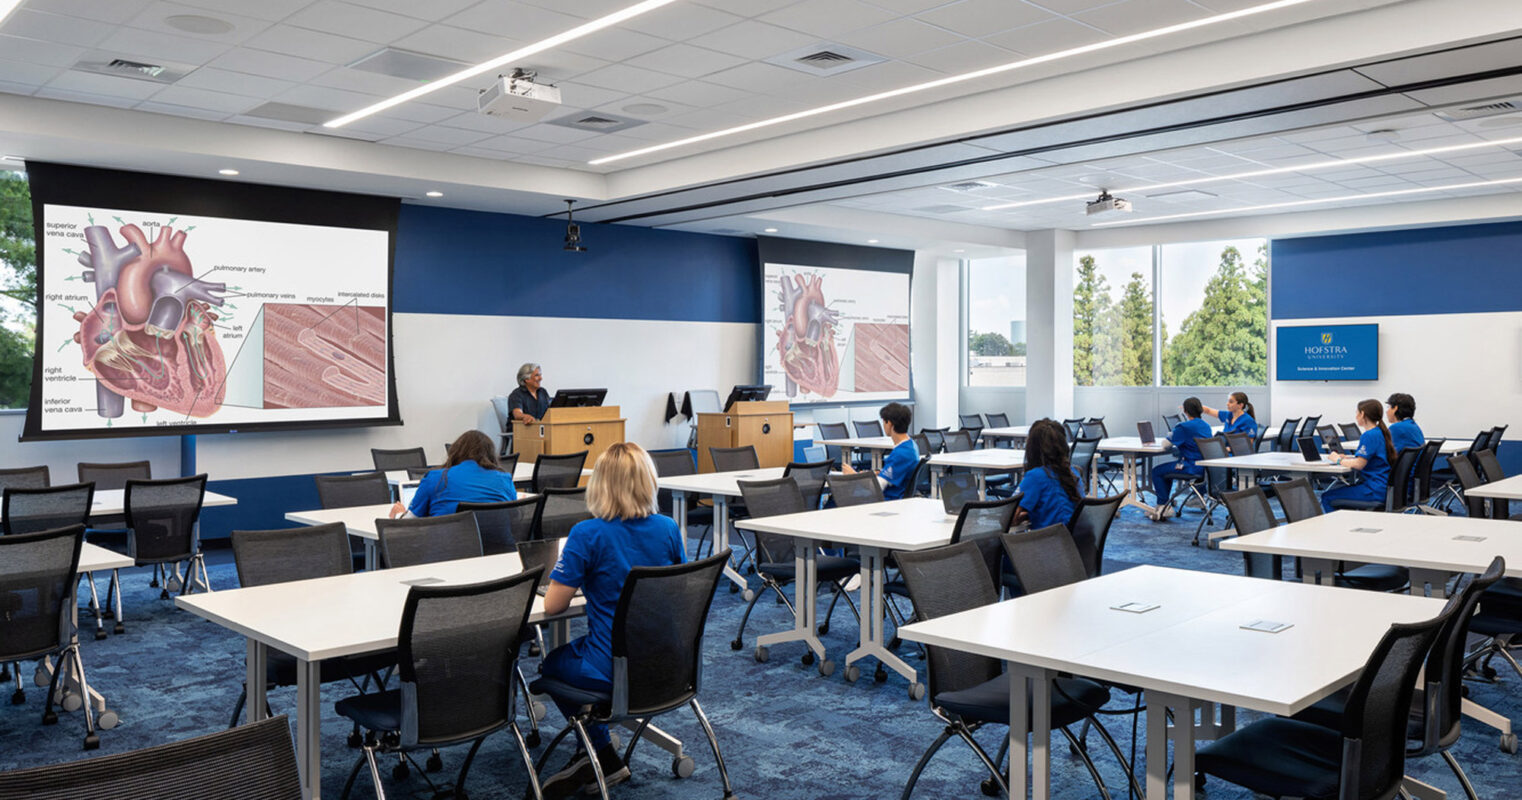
1016, 331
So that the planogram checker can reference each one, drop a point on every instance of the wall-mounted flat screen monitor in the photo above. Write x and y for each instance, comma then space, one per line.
1327, 352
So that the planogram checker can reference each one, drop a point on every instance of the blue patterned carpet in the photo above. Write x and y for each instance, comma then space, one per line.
787, 733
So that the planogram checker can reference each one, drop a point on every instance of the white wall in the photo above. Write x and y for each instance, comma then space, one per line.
1463, 370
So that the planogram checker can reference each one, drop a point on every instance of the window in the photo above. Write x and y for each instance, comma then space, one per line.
18, 289
995, 303
1112, 317
1214, 305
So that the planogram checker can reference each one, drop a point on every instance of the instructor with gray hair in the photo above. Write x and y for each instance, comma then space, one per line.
529, 401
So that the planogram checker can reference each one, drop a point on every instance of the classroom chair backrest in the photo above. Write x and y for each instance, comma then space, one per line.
1349, 430
1073, 428
291, 554
1496, 435
386, 460
958, 442
426, 540
509, 462
25, 478
658, 636
1172, 420
935, 438
1044, 558
32, 510
833, 430
161, 518
1285, 441
1399, 489
919, 486
1217, 479
419, 473
1424, 463
1095, 426
868, 429
1082, 454
1257, 442
1328, 434
502, 524
970, 421
37, 578
957, 490
113, 475
1251, 513
922, 444
1298, 499
1490, 466
810, 476
561, 471
559, 511
1239, 444
1308, 428
255, 760
734, 459
347, 491
772, 498
1468, 478
948, 580
671, 464
1444, 673
1090, 526
855, 489
997, 420
982, 522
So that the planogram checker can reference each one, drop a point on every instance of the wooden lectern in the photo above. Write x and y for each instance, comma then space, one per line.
569, 430
766, 425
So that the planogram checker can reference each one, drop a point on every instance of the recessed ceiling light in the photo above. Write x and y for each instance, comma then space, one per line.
199, 23
871, 241
502, 60
953, 79
1258, 173
227, 172
645, 108
1313, 201
768, 230
435, 194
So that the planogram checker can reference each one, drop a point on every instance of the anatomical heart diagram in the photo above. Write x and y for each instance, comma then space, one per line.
151, 336
806, 340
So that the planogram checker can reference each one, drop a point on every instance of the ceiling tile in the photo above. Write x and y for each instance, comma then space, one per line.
681, 21
447, 41
263, 9
161, 47
36, 51
762, 107
910, 6
304, 43
512, 144
432, 10
698, 93
1069, 6
415, 144
627, 79
982, 17
180, 111
900, 38
1135, 16
359, 22
759, 77
261, 122
269, 65
885, 76
963, 57
517, 20
558, 65
322, 97
115, 12
557, 134
686, 61
57, 28
614, 44
476, 121
453, 137
382, 127
153, 18
27, 74
752, 39
746, 8
358, 80
827, 19
421, 112
1047, 37
113, 100
583, 9
201, 98
581, 95
95, 84
218, 80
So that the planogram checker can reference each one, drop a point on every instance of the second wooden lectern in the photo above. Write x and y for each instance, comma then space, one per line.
766, 425
569, 430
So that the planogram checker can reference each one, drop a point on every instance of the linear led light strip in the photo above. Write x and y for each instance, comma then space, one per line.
1237, 176
500, 61
966, 76
1316, 201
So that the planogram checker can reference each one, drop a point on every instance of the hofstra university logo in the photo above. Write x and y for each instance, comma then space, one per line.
1326, 350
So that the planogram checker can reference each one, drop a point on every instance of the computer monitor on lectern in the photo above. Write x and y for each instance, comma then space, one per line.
744, 393
578, 398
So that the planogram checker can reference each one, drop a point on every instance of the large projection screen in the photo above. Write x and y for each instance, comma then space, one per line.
174, 305
835, 323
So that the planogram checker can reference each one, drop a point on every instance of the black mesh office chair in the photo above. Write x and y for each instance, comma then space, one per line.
419, 473
833, 431
1363, 759
454, 647
958, 441
38, 576
997, 420
1172, 420
1496, 435
42, 508
1238, 444
1297, 499
25, 478
558, 471
250, 762
1081, 455
922, 444
968, 691
657, 659
1090, 526
1397, 489
111, 529
1308, 427
777, 566
1073, 428
855, 489
1299, 502
1251, 513
1449, 491
1214, 481
297, 554
161, 529
501, 525
868, 429
1422, 479
982, 522
1349, 430
734, 459
674, 463
425, 540
811, 477
1285, 441
348, 491
934, 439
559, 511
972, 424
407, 458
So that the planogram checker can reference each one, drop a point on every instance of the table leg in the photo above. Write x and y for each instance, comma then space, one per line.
935, 481
805, 607
1094, 474
1183, 736
721, 540
679, 513
877, 460
372, 558
1318, 570
982, 478
1437, 579
309, 727
256, 668
873, 637
1030, 714
1133, 484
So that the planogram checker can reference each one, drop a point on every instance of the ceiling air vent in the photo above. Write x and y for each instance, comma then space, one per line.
966, 187
1483, 110
109, 64
825, 58
407, 64
596, 121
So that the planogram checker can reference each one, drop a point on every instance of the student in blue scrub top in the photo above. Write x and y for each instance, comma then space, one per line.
1182, 437
1372, 459
1404, 433
1050, 490
625, 532
1237, 416
899, 466
471, 475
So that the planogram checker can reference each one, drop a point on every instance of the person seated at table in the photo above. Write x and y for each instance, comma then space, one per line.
529, 402
1372, 459
626, 531
1182, 437
471, 475
1404, 432
897, 474
1237, 416
1050, 489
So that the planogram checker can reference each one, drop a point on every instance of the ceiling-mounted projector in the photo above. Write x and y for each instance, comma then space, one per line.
516, 97
1106, 204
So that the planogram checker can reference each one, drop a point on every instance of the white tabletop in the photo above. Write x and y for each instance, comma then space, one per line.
1504, 489
1133, 444
1192, 644
94, 558
357, 520
724, 484
999, 458
867, 443
913, 524
1405, 540
341, 615
1283, 462
113, 501
522, 473
1448, 447
1011, 432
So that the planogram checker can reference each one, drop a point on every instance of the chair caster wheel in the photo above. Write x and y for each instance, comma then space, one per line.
108, 719
355, 740
537, 709
108, 614
880, 675
1489, 672
826, 668
808, 658
762, 654
1509, 743
41, 676
734, 588
92, 742
852, 673
824, 629
750, 569
682, 766
119, 628
532, 739
72, 702
990, 788
18, 697
916, 691
1199, 781
174, 584
163, 594
50, 718
895, 643
748, 595
737, 645
434, 763
100, 633
400, 772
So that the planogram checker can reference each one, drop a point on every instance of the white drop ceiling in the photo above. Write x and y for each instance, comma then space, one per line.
692, 67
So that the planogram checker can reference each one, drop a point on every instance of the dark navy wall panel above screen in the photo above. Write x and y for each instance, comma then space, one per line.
450, 261
1454, 270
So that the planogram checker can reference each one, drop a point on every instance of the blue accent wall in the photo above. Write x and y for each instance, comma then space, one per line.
450, 261
1454, 270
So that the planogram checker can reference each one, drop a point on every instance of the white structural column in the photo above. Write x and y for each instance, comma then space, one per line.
935, 317
1049, 324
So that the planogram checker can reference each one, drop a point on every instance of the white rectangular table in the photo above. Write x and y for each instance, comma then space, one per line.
523, 472
876, 529
325, 618
1007, 432
1189, 654
1249, 466
876, 445
1504, 489
1132, 450
723, 487
113, 501
981, 462
358, 521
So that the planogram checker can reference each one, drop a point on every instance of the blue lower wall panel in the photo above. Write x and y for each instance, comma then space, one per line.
262, 504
